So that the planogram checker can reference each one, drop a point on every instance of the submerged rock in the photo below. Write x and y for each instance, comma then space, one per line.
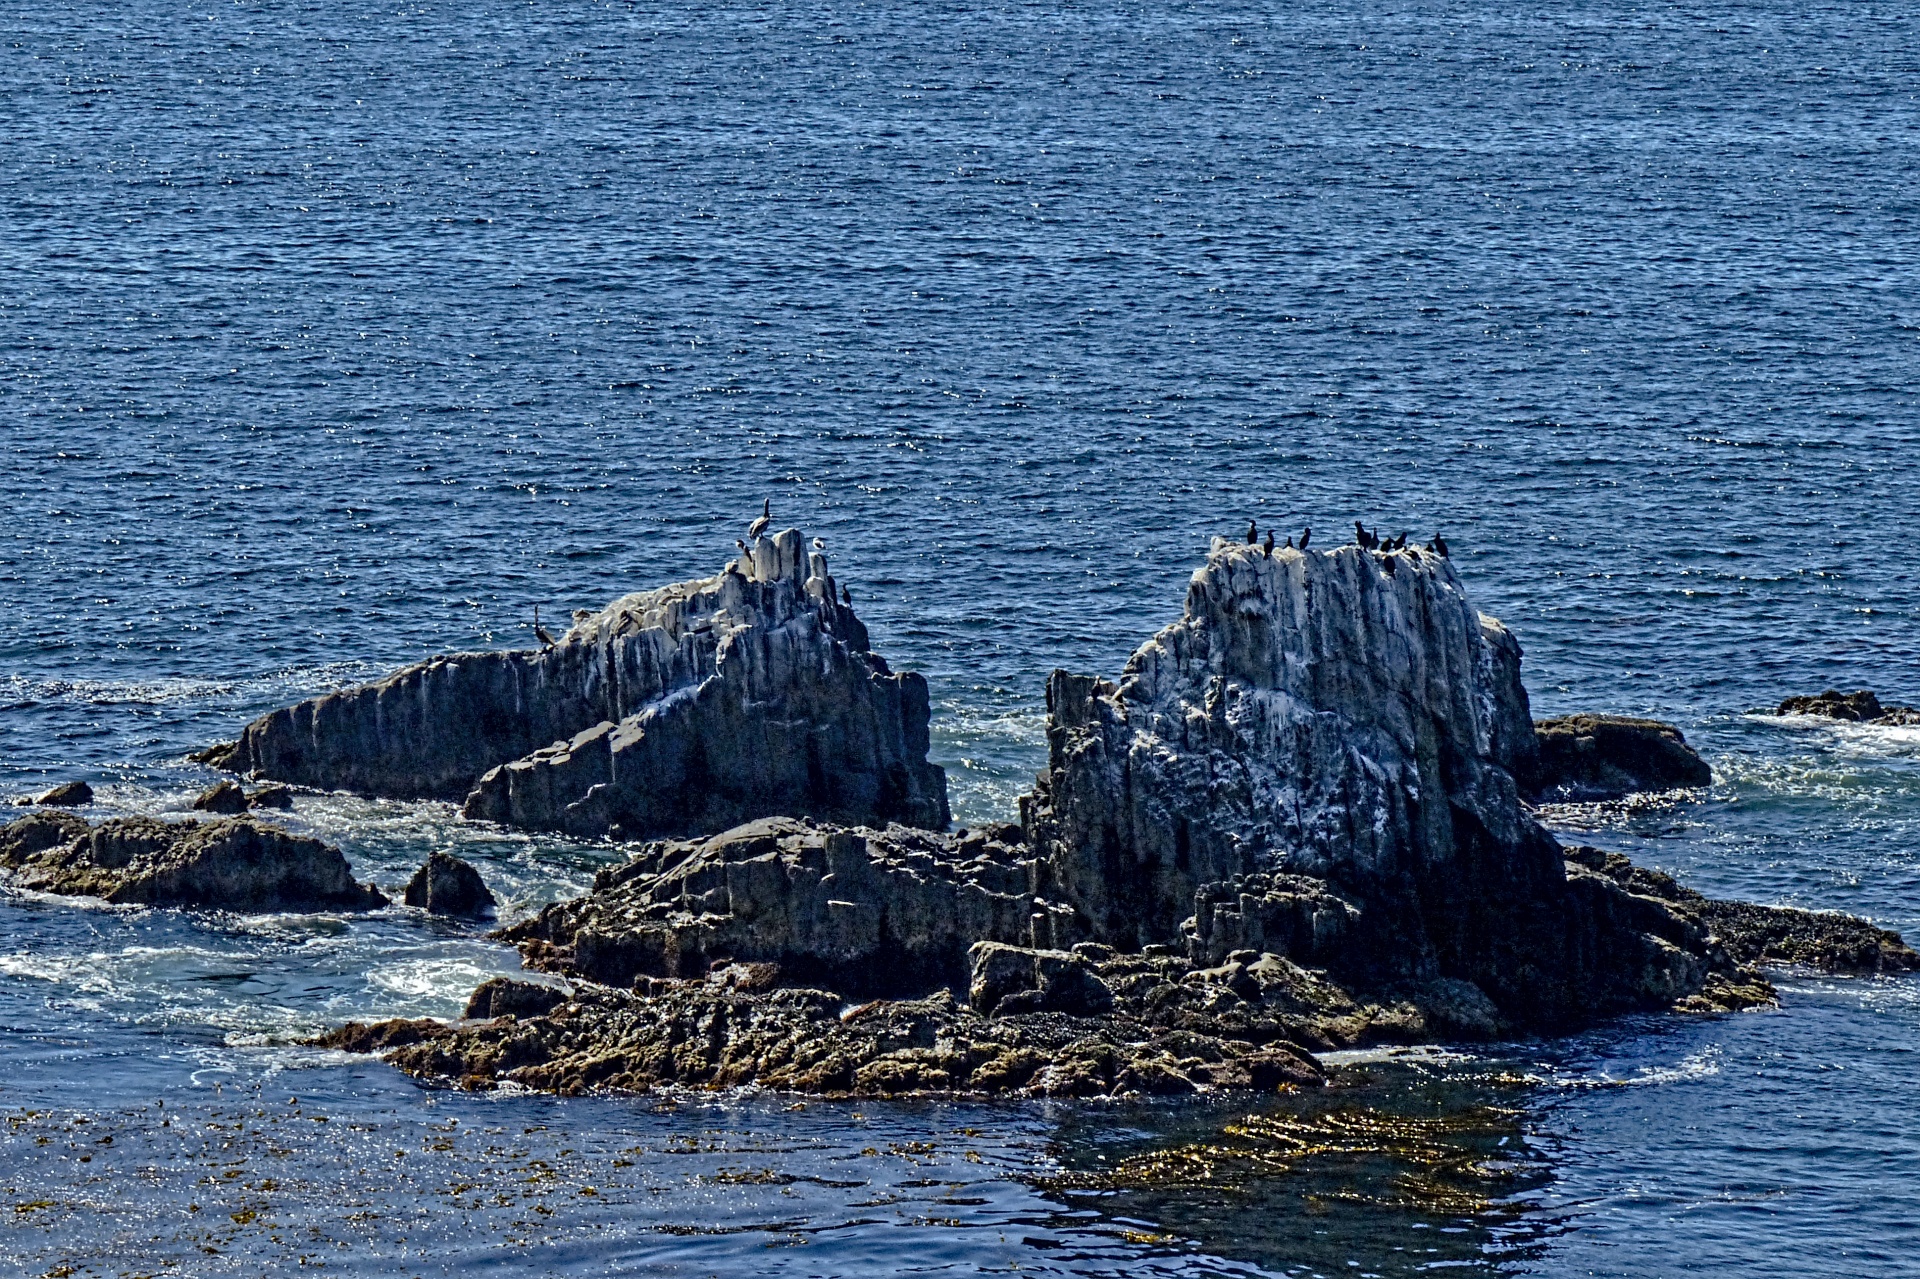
221, 797
1319, 758
1594, 757
238, 864
1863, 707
65, 795
447, 885
687, 709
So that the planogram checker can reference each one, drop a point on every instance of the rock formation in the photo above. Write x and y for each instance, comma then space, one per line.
1862, 707
221, 797
447, 885
1593, 757
1319, 758
238, 864
1293, 825
683, 710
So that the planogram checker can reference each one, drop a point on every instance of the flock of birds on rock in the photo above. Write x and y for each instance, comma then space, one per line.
1366, 541
1371, 541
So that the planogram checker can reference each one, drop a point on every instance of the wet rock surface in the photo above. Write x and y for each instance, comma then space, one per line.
683, 710
448, 885
65, 795
238, 864
1596, 757
1863, 707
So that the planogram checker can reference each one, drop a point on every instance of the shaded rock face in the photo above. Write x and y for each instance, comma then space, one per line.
1594, 757
503, 996
869, 911
238, 864
1863, 707
1319, 759
448, 885
686, 709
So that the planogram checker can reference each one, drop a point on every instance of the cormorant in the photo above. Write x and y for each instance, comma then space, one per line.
1440, 545
1268, 546
846, 596
1304, 536
1289, 541
759, 526
539, 631
1253, 533
1388, 564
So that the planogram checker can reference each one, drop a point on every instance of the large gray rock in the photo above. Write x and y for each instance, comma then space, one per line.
1318, 759
684, 710
239, 864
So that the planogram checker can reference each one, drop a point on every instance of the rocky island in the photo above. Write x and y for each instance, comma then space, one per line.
1295, 822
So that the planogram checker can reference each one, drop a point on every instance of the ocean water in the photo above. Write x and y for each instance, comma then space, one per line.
334, 336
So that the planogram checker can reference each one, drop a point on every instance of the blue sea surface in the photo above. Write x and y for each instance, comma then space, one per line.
338, 335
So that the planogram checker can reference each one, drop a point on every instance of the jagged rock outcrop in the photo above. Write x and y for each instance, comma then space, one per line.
867, 911
1319, 759
1863, 707
1595, 757
238, 864
682, 710
449, 885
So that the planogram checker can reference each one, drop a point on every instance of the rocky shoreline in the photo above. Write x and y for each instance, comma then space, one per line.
1300, 820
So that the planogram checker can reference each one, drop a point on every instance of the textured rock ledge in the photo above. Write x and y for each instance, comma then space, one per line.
686, 709
239, 864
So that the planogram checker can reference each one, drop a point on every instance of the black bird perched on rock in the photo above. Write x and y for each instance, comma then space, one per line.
1268, 547
846, 596
1388, 564
1305, 535
759, 526
1253, 533
1290, 542
539, 631
1440, 545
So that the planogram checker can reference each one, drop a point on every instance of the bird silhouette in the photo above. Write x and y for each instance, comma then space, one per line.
1268, 546
1440, 545
540, 632
1305, 535
1289, 545
759, 527
1253, 533
846, 596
